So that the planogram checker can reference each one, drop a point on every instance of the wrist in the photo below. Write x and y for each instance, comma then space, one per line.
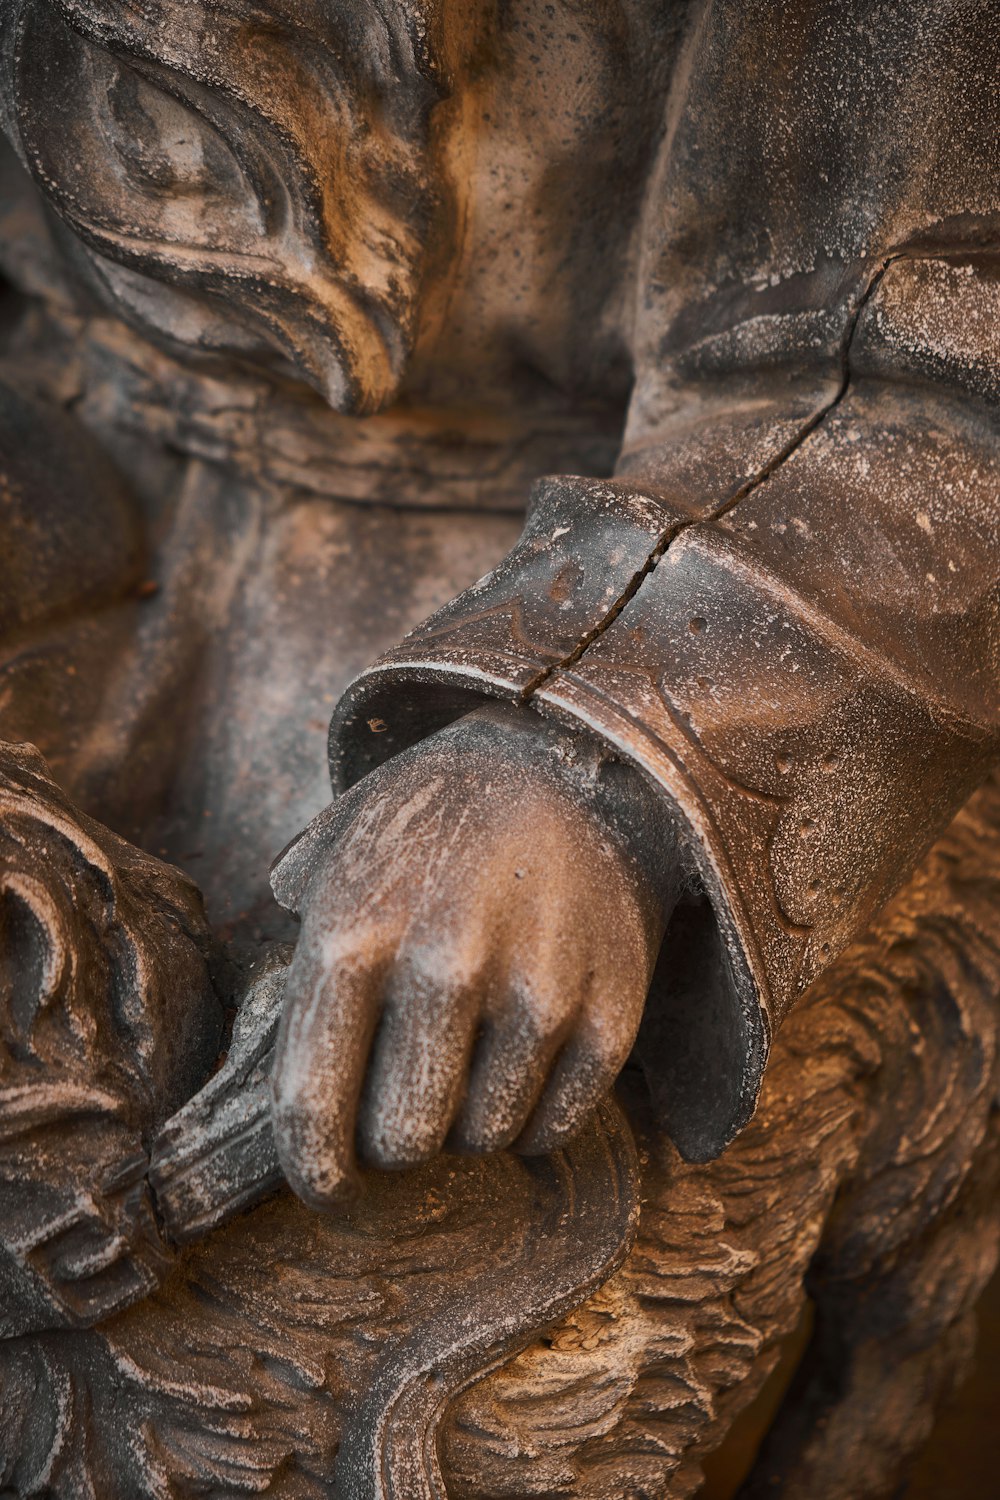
633, 813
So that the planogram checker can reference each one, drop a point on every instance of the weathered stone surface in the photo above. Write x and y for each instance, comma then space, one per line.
288, 1352
302, 300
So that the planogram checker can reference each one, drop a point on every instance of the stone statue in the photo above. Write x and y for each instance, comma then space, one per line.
305, 301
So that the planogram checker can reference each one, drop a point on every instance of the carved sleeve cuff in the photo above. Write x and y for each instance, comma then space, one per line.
808, 674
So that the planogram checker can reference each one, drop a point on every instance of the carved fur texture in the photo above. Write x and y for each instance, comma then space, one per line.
108, 1021
867, 1178
248, 180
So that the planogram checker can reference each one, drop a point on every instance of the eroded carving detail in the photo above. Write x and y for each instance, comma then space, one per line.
304, 298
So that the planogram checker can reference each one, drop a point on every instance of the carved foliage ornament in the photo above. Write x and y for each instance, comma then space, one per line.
247, 179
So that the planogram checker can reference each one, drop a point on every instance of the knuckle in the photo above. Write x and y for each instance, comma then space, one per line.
440, 971
456, 966
339, 962
352, 947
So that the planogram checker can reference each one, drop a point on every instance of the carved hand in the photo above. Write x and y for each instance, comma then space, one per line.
479, 929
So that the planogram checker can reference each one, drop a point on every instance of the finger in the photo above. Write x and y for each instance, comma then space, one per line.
331, 1011
595, 1053
584, 1072
420, 1060
509, 1068
299, 862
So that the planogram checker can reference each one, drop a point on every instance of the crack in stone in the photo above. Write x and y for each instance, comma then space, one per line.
818, 417
678, 528
625, 597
